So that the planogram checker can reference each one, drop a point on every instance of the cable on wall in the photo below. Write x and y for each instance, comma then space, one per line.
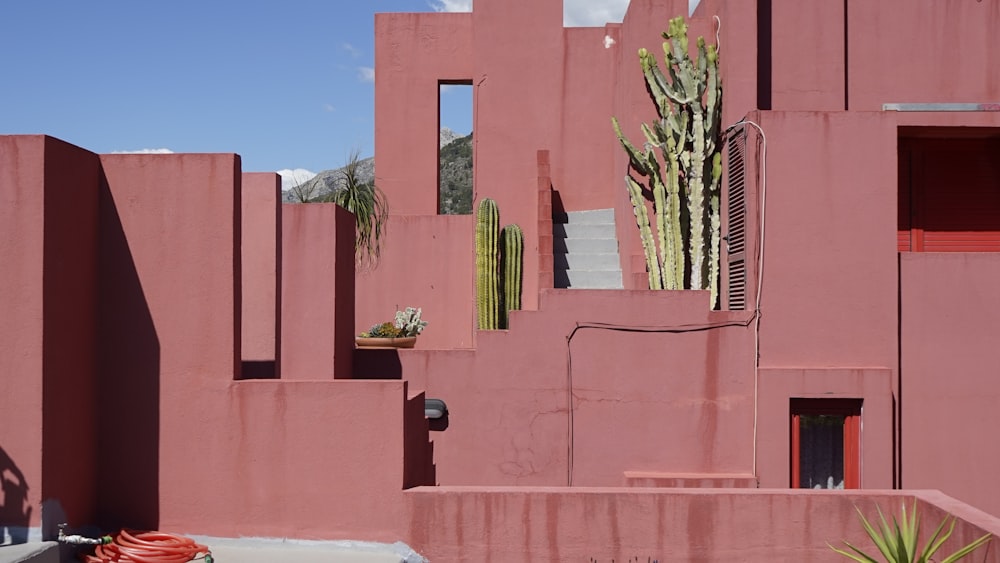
668, 329
760, 271
753, 318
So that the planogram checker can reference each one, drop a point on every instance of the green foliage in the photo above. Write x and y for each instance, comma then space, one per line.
456, 177
898, 543
683, 181
370, 208
383, 330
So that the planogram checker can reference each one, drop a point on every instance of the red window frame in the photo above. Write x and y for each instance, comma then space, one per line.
850, 409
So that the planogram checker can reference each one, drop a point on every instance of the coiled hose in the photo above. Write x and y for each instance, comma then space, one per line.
149, 547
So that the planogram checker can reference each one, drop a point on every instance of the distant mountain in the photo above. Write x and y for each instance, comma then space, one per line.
456, 177
446, 137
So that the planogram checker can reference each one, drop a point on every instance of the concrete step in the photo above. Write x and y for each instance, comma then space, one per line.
588, 279
596, 245
585, 249
585, 217
607, 261
584, 230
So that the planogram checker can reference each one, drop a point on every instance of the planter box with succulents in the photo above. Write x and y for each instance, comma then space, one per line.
401, 333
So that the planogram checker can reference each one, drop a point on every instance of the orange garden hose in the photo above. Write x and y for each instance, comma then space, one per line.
149, 547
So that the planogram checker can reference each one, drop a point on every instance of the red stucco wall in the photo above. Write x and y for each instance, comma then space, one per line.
829, 276
206, 453
590, 524
261, 268
951, 316
874, 386
48, 248
427, 261
22, 181
123, 274
684, 400
957, 45
69, 312
317, 291
413, 52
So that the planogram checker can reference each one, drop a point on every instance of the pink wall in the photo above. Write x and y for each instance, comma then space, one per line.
948, 374
48, 246
829, 278
427, 261
595, 388
778, 385
261, 263
957, 42
218, 456
170, 322
582, 170
69, 312
596, 524
317, 291
684, 400
22, 184
303, 459
412, 53
807, 55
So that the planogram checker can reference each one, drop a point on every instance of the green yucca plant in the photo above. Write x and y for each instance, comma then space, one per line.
898, 544
369, 206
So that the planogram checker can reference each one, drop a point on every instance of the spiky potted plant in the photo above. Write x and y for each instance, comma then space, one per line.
402, 332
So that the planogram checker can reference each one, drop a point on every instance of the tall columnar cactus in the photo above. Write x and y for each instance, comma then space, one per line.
498, 267
512, 256
487, 274
684, 180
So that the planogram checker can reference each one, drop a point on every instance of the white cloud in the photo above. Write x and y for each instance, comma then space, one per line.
451, 5
329, 108
145, 151
351, 50
592, 13
366, 74
576, 13
292, 178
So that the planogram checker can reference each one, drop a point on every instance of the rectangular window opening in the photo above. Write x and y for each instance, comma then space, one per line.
826, 443
948, 198
455, 147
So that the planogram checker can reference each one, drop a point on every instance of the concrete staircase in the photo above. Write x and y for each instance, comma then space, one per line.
585, 250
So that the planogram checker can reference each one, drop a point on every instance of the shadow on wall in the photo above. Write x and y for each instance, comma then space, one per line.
15, 512
377, 364
129, 383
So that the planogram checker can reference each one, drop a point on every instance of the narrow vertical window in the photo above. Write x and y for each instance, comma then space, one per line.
826, 443
455, 147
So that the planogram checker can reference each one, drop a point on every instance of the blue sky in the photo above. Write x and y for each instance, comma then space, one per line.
285, 84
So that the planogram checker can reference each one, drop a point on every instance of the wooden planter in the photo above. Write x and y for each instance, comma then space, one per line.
385, 343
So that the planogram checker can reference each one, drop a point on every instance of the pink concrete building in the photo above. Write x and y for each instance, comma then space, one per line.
177, 350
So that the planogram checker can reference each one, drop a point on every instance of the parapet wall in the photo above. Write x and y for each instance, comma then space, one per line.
708, 525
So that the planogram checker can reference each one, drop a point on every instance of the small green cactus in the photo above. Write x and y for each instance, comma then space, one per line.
384, 330
498, 267
513, 257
